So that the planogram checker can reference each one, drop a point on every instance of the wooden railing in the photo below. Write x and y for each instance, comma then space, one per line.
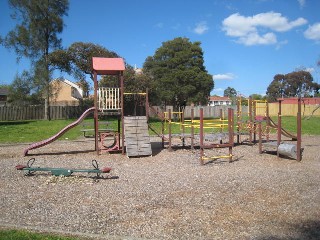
109, 99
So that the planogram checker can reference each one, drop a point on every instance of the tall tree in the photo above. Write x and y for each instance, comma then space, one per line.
77, 60
36, 35
178, 75
230, 92
23, 91
294, 84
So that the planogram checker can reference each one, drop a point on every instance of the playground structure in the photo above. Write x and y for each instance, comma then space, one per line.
282, 148
132, 137
202, 133
110, 102
246, 125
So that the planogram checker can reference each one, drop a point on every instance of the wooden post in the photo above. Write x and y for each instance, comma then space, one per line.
250, 119
279, 127
238, 121
183, 129
299, 131
95, 116
169, 129
260, 136
192, 129
122, 111
147, 104
267, 122
231, 131
201, 137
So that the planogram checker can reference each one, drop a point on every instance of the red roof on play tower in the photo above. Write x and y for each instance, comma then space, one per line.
107, 66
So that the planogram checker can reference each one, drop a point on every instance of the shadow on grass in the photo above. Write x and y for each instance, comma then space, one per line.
13, 123
304, 230
60, 153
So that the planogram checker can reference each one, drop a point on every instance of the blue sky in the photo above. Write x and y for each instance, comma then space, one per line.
245, 42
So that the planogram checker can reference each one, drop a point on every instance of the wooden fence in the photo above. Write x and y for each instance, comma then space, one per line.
289, 109
72, 112
15, 113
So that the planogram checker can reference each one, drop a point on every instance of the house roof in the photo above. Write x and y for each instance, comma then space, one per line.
107, 66
218, 98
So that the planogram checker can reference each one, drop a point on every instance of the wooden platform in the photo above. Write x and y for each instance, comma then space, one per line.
137, 137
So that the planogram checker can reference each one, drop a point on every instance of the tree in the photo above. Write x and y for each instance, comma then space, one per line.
294, 84
177, 74
36, 34
23, 91
230, 92
77, 60
256, 96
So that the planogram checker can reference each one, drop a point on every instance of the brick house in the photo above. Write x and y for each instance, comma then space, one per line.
65, 93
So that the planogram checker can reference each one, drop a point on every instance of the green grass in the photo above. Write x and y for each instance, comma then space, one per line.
309, 126
33, 131
26, 235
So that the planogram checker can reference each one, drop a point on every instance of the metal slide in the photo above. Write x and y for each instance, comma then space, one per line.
60, 133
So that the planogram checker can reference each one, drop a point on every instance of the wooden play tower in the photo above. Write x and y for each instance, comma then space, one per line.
109, 101
132, 131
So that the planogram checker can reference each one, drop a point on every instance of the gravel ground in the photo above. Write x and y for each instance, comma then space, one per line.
166, 196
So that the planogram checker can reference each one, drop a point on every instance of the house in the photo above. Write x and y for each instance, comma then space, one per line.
137, 71
4, 92
65, 92
219, 101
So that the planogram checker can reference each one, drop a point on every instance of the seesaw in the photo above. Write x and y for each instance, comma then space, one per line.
29, 170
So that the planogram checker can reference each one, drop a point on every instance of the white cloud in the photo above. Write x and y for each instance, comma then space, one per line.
201, 28
225, 76
246, 29
302, 3
159, 25
310, 69
255, 39
313, 32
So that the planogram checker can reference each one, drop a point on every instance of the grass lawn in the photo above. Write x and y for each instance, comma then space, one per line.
33, 131
26, 235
